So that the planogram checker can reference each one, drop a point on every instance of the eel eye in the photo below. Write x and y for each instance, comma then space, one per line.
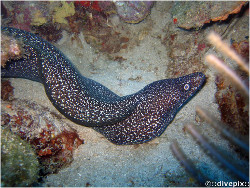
186, 87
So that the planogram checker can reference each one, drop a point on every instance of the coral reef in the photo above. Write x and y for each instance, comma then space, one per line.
233, 104
128, 11
98, 29
97, 20
24, 15
53, 140
103, 29
232, 96
19, 164
186, 48
190, 15
45, 18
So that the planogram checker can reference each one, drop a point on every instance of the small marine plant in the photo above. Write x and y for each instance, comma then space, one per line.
19, 164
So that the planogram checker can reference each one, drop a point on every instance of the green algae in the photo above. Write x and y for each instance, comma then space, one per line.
19, 164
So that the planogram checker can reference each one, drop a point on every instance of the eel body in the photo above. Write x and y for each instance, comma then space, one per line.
78, 98
132, 119
157, 108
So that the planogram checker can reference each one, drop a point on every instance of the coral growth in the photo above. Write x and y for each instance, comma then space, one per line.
133, 11
128, 11
63, 11
49, 32
94, 19
6, 90
43, 18
10, 49
232, 105
98, 29
196, 14
242, 48
91, 5
186, 53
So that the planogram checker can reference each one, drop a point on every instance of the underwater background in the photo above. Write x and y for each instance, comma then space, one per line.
124, 46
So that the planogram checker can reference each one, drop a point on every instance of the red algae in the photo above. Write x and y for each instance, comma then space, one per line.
53, 140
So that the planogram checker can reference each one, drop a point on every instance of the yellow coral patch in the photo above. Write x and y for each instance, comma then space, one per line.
38, 19
60, 13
